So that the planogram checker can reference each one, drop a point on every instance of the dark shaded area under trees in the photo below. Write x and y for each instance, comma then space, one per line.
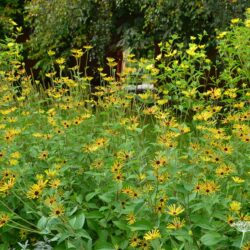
111, 26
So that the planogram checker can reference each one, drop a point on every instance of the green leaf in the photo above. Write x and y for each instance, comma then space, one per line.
94, 215
83, 234
141, 226
41, 224
90, 196
4, 246
77, 221
103, 245
71, 245
107, 197
211, 239
73, 211
121, 225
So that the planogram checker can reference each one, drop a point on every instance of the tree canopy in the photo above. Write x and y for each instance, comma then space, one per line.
108, 25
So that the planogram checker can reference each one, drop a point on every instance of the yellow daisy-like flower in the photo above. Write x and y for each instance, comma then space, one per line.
50, 201
152, 235
134, 241
3, 220
247, 23
23, 234
7, 185
144, 245
55, 183
177, 223
43, 155
237, 179
16, 155
51, 173
131, 218
174, 210
13, 162
60, 61
118, 177
57, 210
51, 53
87, 47
246, 246
235, 206
230, 220
235, 20
34, 192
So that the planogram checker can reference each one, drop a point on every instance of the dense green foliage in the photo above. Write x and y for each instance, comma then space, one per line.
110, 169
110, 25
10, 9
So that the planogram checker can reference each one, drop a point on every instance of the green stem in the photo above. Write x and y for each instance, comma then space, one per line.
16, 214
242, 239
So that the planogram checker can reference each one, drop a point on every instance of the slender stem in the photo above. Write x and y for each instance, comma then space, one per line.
16, 213
23, 201
24, 227
242, 239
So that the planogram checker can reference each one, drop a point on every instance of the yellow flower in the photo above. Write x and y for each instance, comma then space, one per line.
77, 53
23, 234
141, 176
152, 235
235, 20
247, 23
118, 177
246, 246
158, 162
109, 79
57, 210
43, 155
175, 210
42, 183
162, 101
2, 154
158, 58
235, 206
230, 219
239, 105
134, 241
7, 185
131, 218
145, 245
221, 35
51, 173
222, 171
237, 179
209, 187
50, 201
34, 192
98, 163
190, 93
160, 208
176, 223
3, 219
51, 53
13, 162
15, 155
55, 183
192, 49
87, 47
60, 60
